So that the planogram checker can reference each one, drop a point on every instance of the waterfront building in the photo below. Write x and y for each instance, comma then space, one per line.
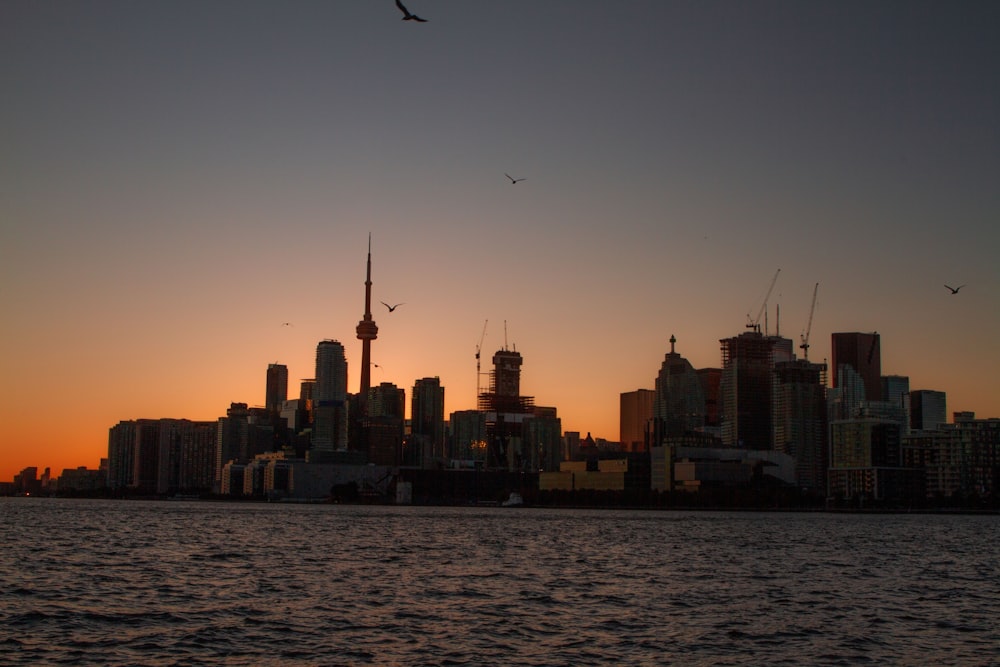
506, 410
542, 433
866, 463
427, 418
800, 421
330, 411
232, 437
467, 430
958, 459
746, 391
385, 424
121, 455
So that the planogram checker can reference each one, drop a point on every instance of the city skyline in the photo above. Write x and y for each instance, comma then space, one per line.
189, 190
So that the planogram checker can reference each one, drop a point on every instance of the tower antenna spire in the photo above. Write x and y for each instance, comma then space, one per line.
367, 330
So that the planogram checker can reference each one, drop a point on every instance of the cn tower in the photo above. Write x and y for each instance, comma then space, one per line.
367, 331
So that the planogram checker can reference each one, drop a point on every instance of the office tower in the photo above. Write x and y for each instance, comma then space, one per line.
800, 422
367, 331
928, 409
427, 416
330, 399
679, 405
858, 355
384, 424
277, 387
635, 411
745, 391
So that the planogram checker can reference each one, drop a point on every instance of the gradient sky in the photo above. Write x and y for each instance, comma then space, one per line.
180, 177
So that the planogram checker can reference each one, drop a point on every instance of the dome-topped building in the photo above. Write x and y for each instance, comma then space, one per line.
680, 399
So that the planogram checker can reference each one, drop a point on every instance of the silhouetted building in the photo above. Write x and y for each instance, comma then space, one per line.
542, 437
746, 391
800, 423
232, 437
679, 405
330, 412
468, 436
866, 464
959, 459
634, 415
506, 410
427, 417
385, 424
710, 381
121, 455
857, 371
928, 409
276, 392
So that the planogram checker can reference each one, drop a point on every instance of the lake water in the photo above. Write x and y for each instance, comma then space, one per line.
197, 583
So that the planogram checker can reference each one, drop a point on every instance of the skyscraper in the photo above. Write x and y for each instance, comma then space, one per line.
800, 423
427, 415
679, 406
277, 387
746, 390
367, 331
330, 399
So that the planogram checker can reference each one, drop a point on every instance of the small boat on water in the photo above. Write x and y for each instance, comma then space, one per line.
514, 500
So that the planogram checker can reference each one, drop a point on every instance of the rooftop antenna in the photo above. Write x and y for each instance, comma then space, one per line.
505, 335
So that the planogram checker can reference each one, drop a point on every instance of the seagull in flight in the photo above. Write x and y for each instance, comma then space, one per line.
407, 16
954, 290
512, 179
286, 324
391, 308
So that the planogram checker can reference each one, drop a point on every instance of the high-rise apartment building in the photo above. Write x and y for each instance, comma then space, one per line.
800, 422
384, 424
330, 399
427, 416
746, 390
276, 392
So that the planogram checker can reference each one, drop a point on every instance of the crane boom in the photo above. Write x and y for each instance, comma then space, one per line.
809, 326
479, 347
755, 323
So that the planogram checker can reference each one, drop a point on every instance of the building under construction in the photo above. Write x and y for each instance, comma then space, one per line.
505, 411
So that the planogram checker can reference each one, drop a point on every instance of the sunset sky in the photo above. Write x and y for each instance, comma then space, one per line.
180, 177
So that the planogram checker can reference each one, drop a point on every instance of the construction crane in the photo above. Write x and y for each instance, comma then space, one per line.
809, 326
479, 348
755, 323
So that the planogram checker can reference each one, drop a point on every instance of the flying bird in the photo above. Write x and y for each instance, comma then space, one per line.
391, 308
954, 290
286, 324
512, 179
407, 16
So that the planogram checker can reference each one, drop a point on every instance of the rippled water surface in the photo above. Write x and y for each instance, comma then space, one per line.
177, 583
